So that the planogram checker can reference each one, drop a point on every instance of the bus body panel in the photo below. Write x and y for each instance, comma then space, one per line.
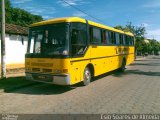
102, 62
69, 71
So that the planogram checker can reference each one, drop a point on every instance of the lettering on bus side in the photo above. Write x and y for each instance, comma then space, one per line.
126, 50
120, 51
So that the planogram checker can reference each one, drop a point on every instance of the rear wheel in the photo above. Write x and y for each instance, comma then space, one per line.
87, 76
122, 68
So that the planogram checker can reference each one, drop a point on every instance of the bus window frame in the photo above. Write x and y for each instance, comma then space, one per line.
70, 41
48, 26
113, 38
121, 39
91, 36
91, 40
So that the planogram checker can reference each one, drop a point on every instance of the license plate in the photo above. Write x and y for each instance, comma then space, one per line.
42, 77
45, 78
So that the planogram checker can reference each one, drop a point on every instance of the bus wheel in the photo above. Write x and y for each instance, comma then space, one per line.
87, 76
122, 68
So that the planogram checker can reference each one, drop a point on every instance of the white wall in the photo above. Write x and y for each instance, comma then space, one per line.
15, 51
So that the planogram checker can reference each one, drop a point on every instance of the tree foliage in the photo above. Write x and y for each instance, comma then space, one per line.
155, 46
19, 16
138, 31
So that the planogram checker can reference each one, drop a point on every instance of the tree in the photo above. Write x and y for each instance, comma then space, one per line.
23, 18
155, 46
19, 16
7, 9
119, 27
138, 31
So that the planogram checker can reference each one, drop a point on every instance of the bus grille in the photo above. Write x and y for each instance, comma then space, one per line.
36, 70
45, 78
47, 70
42, 64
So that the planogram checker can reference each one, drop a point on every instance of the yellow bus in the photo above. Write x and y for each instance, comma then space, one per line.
66, 51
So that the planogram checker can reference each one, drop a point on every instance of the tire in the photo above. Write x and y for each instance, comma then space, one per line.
122, 68
87, 76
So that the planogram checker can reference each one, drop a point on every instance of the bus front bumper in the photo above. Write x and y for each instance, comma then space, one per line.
59, 79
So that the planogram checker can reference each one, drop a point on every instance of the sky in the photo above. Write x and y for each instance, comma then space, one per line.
108, 12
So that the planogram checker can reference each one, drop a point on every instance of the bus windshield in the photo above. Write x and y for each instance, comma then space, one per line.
49, 40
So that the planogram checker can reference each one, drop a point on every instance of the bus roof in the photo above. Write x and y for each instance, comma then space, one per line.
78, 19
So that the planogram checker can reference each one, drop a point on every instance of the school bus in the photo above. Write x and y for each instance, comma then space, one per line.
66, 51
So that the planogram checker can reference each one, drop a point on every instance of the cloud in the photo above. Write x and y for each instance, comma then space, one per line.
152, 4
47, 17
146, 24
20, 1
45, 10
72, 2
153, 34
40, 10
79, 14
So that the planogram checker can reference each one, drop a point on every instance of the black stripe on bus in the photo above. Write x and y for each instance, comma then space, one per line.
98, 57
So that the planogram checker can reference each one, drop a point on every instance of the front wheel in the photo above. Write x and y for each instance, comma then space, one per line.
87, 76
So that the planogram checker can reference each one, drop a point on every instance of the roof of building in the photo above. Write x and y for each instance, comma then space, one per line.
78, 19
15, 29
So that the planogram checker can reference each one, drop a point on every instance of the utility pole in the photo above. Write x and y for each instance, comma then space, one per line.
3, 53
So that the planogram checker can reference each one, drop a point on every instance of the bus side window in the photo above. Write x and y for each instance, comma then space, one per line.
78, 41
108, 35
117, 39
105, 37
121, 39
74, 38
96, 36
126, 40
91, 34
131, 41
113, 38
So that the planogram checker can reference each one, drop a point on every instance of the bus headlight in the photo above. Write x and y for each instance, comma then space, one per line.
27, 69
65, 70
60, 71
57, 71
